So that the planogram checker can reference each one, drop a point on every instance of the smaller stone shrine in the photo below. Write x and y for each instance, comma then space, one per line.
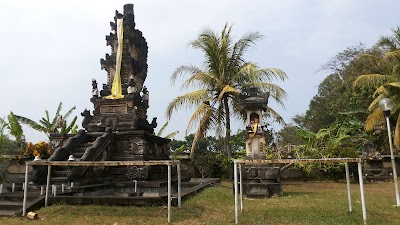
259, 181
378, 166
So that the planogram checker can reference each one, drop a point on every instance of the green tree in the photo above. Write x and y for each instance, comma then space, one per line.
226, 73
2, 136
336, 93
385, 81
57, 125
287, 135
391, 43
14, 128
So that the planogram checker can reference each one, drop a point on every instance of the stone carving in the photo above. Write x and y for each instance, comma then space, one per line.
60, 122
110, 122
137, 172
145, 97
95, 91
254, 99
113, 109
126, 133
131, 86
56, 143
134, 55
139, 146
86, 118
154, 123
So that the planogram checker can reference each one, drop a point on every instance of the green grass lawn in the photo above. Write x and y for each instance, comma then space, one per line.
303, 203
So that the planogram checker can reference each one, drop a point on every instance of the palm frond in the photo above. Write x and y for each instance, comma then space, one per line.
202, 80
381, 91
396, 138
227, 90
275, 115
187, 100
368, 81
182, 70
374, 118
374, 104
204, 125
204, 109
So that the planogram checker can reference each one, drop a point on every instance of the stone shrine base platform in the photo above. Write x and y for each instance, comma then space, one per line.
262, 190
147, 193
123, 193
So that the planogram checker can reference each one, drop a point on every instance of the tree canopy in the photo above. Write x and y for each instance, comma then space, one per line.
225, 74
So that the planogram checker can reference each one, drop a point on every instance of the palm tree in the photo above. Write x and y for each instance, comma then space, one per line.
57, 125
14, 128
391, 42
386, 82
226, 73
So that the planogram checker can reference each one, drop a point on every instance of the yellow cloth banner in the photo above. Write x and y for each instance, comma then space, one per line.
254, 130
116, 89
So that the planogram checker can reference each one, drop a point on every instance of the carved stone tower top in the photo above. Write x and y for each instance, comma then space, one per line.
134, 53
126, 110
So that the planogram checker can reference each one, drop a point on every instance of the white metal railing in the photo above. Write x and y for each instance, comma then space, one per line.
49, 164
241, 162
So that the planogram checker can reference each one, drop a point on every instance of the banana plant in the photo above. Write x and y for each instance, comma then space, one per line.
170, 135
56, 125
14, 128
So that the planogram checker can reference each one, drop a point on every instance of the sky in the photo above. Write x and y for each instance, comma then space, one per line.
51, 50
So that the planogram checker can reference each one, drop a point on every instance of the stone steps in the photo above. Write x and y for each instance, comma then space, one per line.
7, 213
11, 203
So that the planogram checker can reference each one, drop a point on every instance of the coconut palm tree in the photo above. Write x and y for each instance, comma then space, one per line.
391, 42
57, 125
386, 82
225, 74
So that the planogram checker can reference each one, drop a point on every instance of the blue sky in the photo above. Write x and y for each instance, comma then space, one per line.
51, 49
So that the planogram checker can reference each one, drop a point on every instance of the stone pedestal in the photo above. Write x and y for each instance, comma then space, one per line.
261, 181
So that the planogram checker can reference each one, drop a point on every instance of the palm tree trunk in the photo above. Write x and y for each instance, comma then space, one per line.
228, 148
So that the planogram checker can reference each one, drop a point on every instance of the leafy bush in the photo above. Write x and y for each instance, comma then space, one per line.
212, 164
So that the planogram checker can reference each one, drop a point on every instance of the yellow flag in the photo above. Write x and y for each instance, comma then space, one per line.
116, 89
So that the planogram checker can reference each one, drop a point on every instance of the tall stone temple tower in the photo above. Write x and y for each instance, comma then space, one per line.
117, 129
